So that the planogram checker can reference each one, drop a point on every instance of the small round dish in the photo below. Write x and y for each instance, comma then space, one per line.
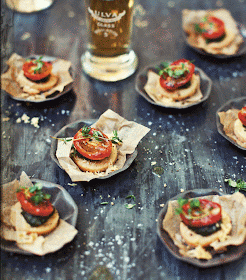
62, 201
54, 95
241, 50
70, 130
142, 77
236, 103
233, 252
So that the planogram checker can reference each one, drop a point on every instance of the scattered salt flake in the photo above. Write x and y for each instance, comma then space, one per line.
153, 162
126, 259
48, 269
25, 36
81, 22
25, 118
52, 38
71, 14
110, 265
171, 4
87, 253
141, 23
5, 119
34, 122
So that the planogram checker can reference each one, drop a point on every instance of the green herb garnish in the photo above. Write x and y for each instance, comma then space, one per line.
40, 64
240, 185
97, 135
38, 196
104, 203
115, 139
131, 196
198, 28
194, 203
175, 73
181, 202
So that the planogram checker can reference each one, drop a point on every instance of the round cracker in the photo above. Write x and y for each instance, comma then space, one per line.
183, 93
240, 130
96, 165
36, 87
20, 224
194, 239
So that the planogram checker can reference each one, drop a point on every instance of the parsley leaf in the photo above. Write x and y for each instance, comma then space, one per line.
131, 196
40, 64
115, 139
194, 203
104, 203
181, 202
129, 205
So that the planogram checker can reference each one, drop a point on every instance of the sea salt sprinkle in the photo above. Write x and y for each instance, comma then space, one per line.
104, 252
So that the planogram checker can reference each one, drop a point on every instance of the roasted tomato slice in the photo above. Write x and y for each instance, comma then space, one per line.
211, 28
242, 115
36, 203
177, 74
37, 70
92, 144
203, 213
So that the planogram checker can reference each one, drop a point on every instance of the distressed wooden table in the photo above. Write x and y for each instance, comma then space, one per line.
184, 143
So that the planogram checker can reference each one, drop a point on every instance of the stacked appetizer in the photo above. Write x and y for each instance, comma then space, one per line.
214, 31
93, 151
33, 213
29, 218
203, 221
204, 226
175, 84
36, 76
102, 149
234, 125
35, 79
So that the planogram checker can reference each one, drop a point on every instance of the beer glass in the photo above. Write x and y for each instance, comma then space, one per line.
109, 56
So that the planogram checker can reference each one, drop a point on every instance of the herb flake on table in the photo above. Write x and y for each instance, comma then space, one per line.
130, 205
239, 185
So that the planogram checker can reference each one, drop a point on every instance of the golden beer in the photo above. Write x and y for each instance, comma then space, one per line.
109, 56
110, 26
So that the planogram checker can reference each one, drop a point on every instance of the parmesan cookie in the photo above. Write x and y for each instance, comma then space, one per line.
183, 93
36, 87
240, 130
194, 239
96, 165
20, 224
